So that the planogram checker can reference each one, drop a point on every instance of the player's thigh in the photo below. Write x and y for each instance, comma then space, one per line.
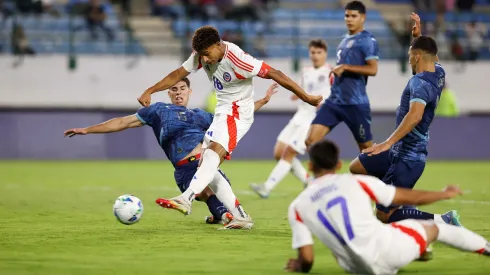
226, 131
296, 141
407, 241
325, 120
375, 165
284, 139
358, 119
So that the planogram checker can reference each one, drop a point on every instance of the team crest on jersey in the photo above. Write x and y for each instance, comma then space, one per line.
227, 77
350, 43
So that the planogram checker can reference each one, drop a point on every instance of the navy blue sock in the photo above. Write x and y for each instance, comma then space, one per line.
411, 213
216, 207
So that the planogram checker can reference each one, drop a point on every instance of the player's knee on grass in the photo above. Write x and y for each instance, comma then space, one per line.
317, 132
431, 230
357, 168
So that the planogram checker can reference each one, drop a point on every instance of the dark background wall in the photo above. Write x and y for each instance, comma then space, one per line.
31, 134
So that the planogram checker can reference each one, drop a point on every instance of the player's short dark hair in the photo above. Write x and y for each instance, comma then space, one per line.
187, 81
318, 43
356, 6
204, 37
425, 43
324, 155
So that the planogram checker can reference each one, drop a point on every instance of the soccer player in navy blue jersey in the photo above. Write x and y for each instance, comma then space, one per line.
406, 148
357, 59
180, 132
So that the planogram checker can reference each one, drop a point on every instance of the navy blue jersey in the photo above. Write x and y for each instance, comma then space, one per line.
350, 88
426, 88
178, 129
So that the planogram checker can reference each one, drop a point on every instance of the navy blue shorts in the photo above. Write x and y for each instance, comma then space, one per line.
183, 174
402, 173
376, 165
357, 118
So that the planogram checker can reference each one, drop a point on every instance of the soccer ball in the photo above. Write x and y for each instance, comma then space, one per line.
128, 209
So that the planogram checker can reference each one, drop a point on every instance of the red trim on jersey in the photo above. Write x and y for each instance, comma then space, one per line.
264, 70
234, 110
239, 76
368, 191
414, 234
298, 218
232, 133
200, 64
239, 63
481, 251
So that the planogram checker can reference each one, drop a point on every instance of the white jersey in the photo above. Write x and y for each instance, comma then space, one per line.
337, 209
314, 82
232, 79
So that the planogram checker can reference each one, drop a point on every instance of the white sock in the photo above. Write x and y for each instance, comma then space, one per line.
278, 173
461, 238
299, 171
204, 175
438, 218
222, 189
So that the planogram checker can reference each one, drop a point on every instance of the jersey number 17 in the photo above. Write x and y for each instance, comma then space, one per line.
345, 215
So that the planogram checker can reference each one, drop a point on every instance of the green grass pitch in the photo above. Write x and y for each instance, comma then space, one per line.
56, 218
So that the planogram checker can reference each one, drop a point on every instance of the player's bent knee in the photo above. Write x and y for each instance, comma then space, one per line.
289, 154
316, 133
279, 150
432, 231
357, 168
382, 216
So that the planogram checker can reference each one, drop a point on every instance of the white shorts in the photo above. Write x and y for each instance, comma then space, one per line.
294, 135
227, 131
407, 242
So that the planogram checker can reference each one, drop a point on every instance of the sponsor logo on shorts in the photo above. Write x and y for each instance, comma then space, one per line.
227, 77
209, 133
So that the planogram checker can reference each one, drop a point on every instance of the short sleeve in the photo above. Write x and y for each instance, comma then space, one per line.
146, 114
377, 190
246, 65
419, 91
193, 63
370, 49
301, 234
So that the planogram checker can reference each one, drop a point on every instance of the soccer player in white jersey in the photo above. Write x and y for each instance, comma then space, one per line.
337, 209
231, 71
291, 141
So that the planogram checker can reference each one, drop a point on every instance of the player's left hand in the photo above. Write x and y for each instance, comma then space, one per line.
338, 70
377, 149
416, 26
75, 131
292, 265
270, 92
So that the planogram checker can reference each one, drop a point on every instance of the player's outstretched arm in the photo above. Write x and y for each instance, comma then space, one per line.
110, 126
292, 86
270, 92
413, 117
167, 82
418, 197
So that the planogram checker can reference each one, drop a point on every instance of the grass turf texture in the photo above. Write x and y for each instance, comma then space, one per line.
57, 219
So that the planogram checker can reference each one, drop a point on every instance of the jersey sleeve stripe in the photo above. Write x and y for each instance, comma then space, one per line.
368, 191
140, 118
240, 64
200, 64
419, 100
414, 234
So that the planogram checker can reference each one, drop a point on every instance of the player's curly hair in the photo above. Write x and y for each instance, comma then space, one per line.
204, 37
324, 155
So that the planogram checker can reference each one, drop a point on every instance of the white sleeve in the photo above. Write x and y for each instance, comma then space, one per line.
246, 65
301, 234
193, 63
377, 190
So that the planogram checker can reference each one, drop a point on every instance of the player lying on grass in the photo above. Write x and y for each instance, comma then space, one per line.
337, 210
400, 160
179, 131
231, 72
315, 79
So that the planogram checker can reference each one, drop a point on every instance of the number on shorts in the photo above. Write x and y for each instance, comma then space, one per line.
345, 215
217, 84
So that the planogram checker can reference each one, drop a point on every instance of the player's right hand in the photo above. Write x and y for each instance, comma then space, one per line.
145, 99
314, 100
416, 32
452, 191
75, 131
